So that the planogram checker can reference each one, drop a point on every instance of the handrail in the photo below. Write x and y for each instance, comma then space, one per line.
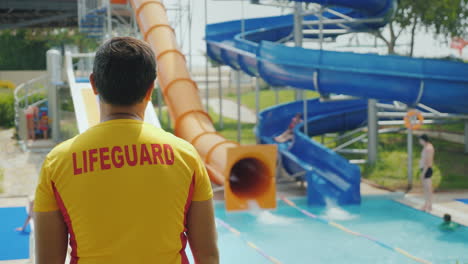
22, 85
26, 86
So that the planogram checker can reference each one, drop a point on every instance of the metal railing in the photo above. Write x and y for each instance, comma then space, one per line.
30, 93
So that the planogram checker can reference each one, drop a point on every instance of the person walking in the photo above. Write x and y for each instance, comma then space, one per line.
124, 191
425, 164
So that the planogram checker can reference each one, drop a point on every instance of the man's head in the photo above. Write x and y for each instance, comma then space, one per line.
298, 115
447, 218
124, 71
423, 139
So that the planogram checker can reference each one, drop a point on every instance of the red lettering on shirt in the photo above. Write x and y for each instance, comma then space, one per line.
144, 156
168, 154
117, 160
157, 153
103, 157
76, 170
107, 158
85, 161
92, 158
127, 155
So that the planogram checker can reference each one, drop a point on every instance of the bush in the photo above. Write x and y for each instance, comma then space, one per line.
7, 110
32, 99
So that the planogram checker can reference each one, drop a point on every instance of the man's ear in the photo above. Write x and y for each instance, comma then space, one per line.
93, 85
149, 93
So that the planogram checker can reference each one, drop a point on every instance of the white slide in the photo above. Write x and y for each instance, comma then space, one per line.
86, 104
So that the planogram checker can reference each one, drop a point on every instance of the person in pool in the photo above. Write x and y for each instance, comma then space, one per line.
425, 164
288, 134
448, 225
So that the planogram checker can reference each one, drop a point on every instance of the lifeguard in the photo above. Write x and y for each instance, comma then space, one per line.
124, 191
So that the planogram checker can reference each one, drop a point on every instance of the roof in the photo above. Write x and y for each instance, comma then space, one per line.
38, 13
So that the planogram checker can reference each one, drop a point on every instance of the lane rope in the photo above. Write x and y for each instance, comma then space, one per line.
249, 243
344, 229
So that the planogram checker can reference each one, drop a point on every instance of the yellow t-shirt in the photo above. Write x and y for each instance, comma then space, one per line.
124, 188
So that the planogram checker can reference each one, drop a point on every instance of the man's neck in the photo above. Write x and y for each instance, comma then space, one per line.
114, 116
111, 112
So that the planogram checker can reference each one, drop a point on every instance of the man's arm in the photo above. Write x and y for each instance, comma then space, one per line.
202, 232
51, 237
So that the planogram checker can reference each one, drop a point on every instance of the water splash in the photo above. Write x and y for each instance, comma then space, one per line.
269, 218
266, 217
253, 207
335, 213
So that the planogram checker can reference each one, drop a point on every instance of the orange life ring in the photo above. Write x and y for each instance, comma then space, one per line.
408, 122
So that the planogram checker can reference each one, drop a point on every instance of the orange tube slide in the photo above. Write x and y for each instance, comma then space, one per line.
248, 172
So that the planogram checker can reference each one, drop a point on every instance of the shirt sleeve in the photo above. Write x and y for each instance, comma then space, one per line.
45, 199
202, 189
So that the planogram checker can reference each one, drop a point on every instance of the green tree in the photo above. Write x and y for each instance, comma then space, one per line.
17, 53
446, 17
24, 49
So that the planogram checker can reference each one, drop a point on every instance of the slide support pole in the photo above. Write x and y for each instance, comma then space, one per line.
305, 110
321, 28
257, 97
466, 136
189, 7
299, 94
410, 158
158, 89
242, 19
109, 20
220, 94
372, 131
207, 93
54, 58
239, 125
276, 95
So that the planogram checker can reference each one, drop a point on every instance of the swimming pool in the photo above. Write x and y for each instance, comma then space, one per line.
292, 238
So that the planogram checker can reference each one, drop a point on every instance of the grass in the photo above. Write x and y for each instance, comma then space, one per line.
450, 164
455, 127
267, 97
229, 130
4, 90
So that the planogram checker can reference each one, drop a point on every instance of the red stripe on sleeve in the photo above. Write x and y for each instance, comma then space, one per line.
66, 218
183, 236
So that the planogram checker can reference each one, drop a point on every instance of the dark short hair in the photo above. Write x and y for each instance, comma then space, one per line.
447, 218
424, 137
124, 69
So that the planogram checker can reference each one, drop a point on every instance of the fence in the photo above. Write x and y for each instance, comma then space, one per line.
32, 93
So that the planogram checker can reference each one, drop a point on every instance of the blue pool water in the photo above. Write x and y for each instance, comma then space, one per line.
292, 238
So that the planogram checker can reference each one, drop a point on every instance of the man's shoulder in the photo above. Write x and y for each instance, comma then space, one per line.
180, 143
169, 138
62, 148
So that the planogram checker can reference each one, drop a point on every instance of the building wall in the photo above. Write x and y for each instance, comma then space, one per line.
18, 77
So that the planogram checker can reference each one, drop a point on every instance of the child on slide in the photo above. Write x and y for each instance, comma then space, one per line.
288, 134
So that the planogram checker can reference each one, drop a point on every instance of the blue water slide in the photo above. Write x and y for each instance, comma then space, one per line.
328, 174
258, 51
